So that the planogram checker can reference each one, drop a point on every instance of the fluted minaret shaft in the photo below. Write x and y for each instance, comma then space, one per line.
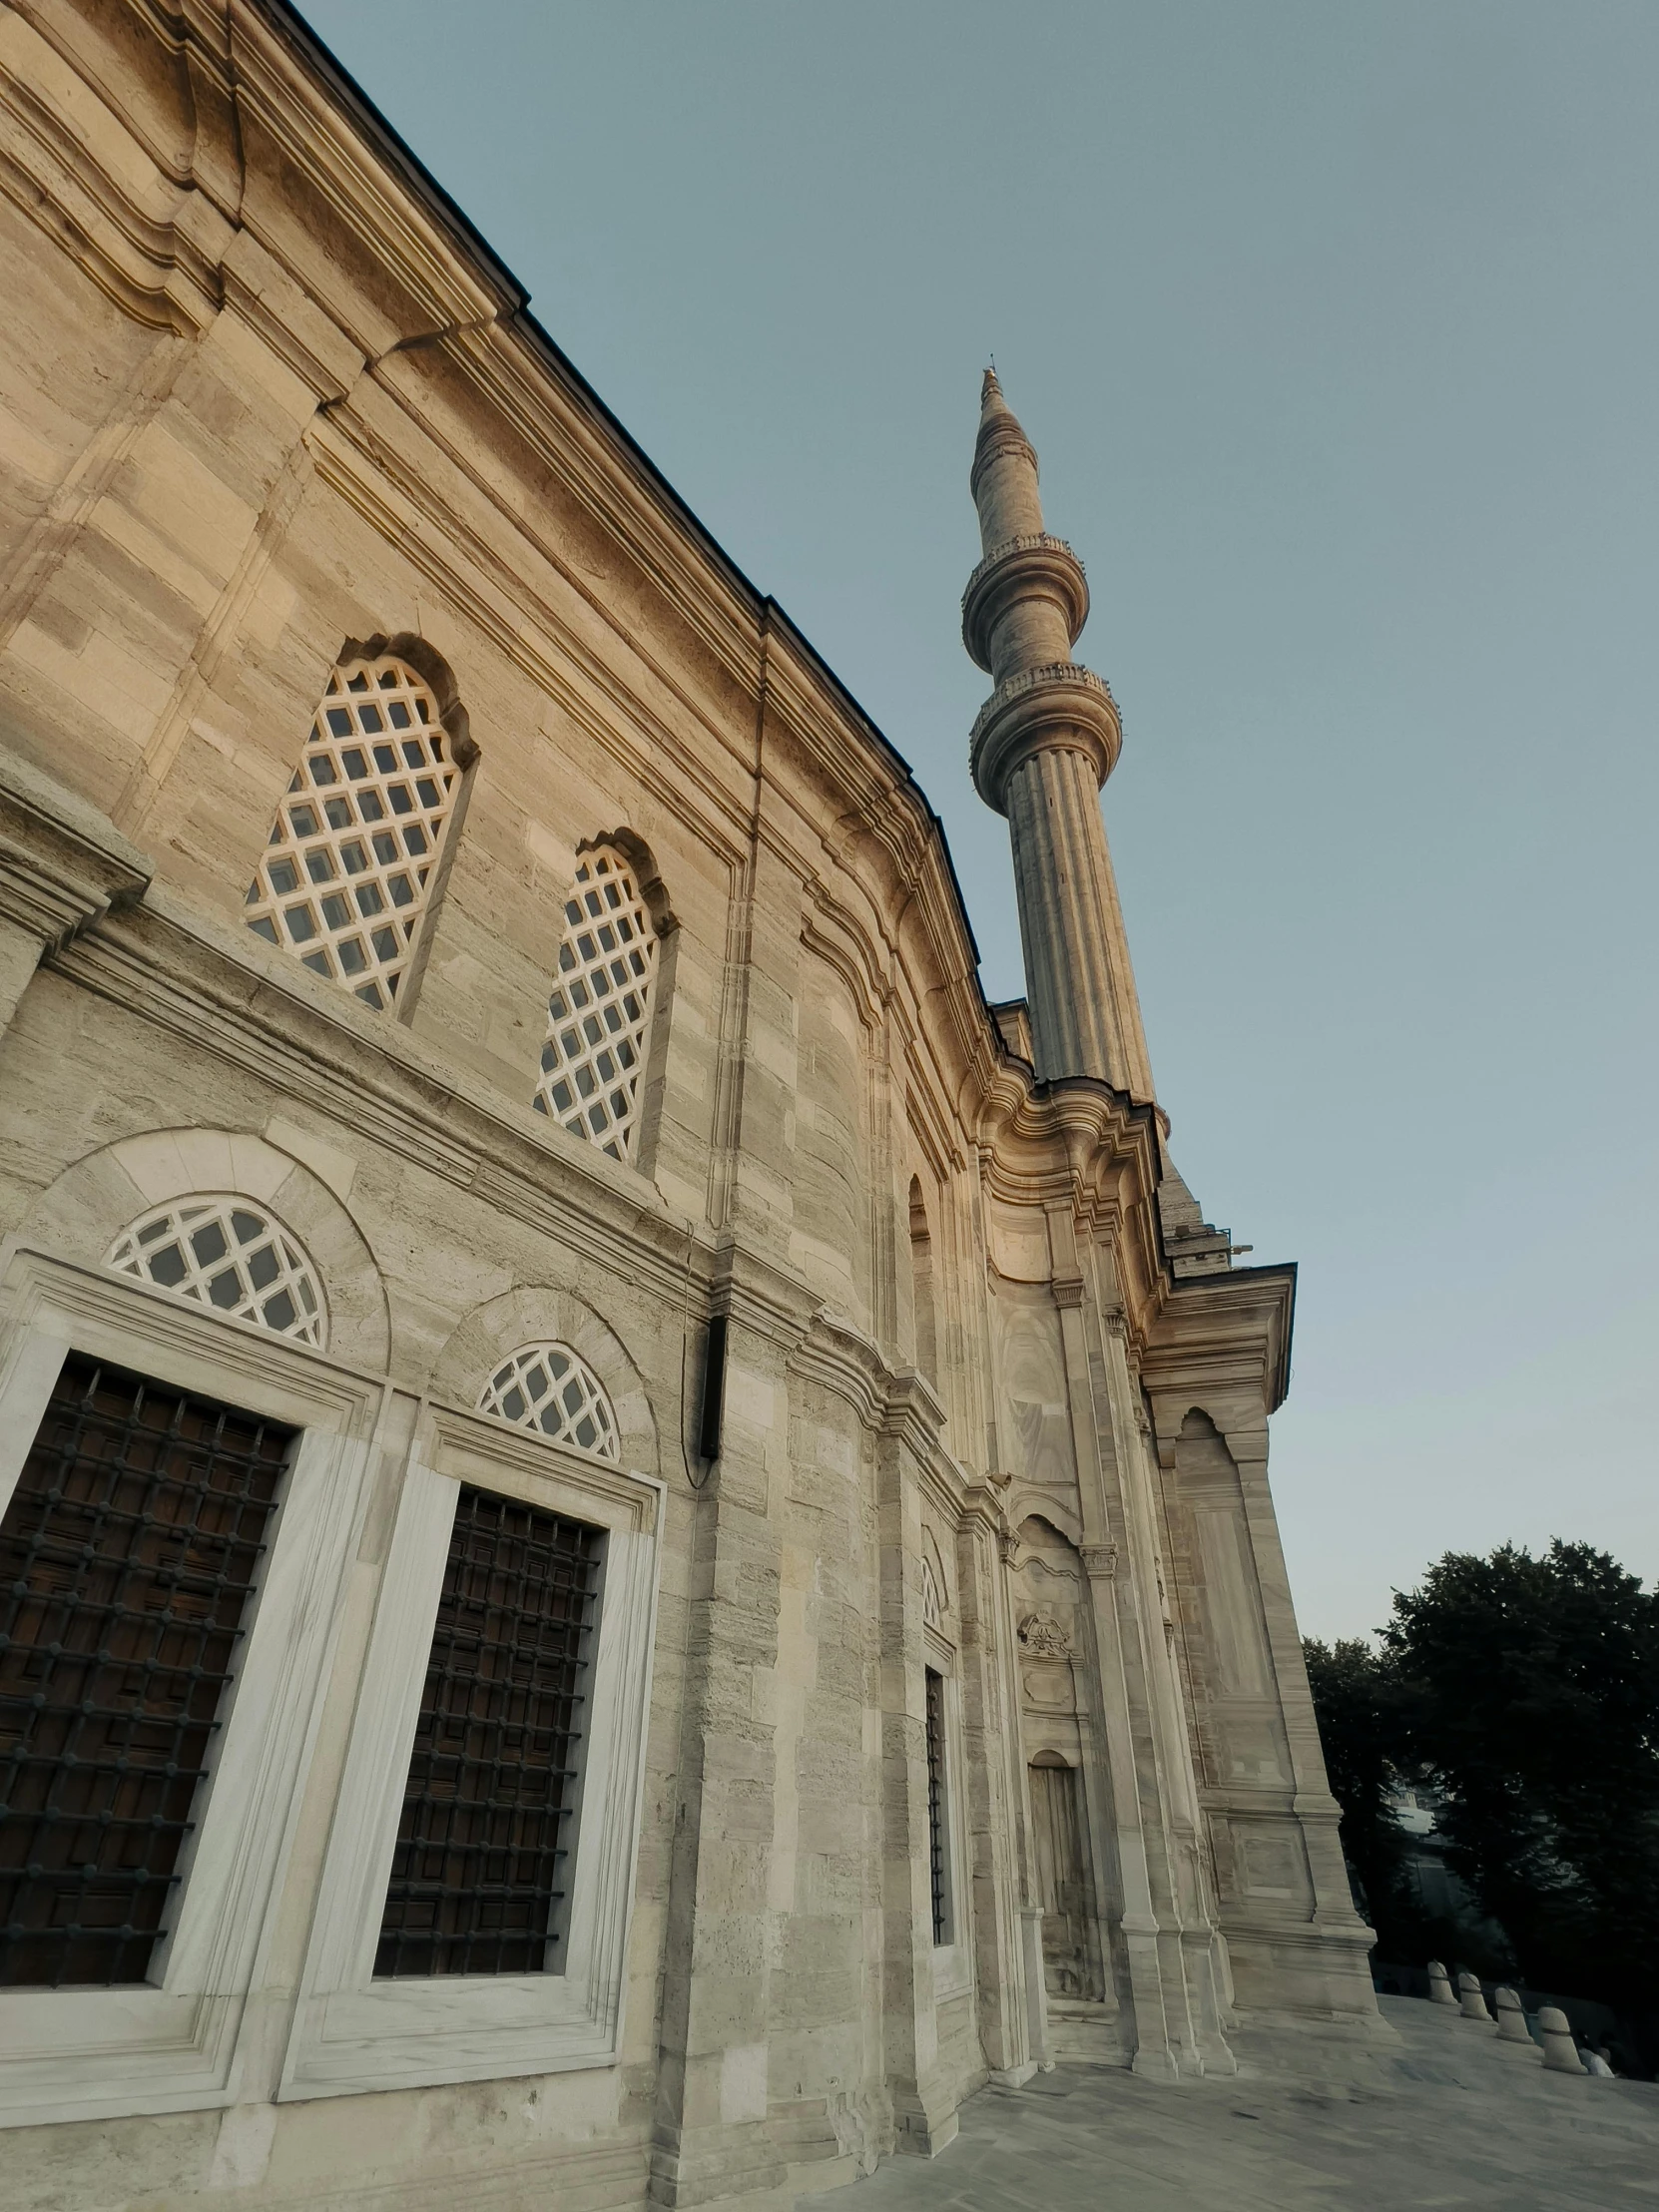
1044, 742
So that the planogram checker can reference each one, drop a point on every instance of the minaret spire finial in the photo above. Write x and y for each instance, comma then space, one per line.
1045, 740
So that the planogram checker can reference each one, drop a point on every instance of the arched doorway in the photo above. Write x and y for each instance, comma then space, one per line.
1071, 1948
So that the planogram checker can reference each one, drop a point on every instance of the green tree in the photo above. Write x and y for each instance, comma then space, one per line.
1528, 1690
1357, 1705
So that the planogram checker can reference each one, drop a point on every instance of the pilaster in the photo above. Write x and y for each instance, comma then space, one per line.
923, 2104
710, 2134
1130, 1774
992, 1730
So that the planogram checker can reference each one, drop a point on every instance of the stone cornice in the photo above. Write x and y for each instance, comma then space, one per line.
1072, 1138
913, 1416
154, 248
293, 103
888, 1400
759, 1295
62, 863
504, 603
1225, 1332
167, 964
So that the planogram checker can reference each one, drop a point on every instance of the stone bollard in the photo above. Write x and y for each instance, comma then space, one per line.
1471, 2003
1561, 2052
1440, 1985
1511, 2017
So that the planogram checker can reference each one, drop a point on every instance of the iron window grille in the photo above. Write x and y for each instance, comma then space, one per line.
489, 1808
600, 1009
348, 865
129, 1557
226, 1253
551, 1389
935, 1686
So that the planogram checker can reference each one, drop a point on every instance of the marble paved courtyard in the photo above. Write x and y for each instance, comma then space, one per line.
1448, 2118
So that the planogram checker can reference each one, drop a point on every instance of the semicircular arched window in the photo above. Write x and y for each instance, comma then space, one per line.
599, 1012
347, 869
228, 1255
549, 1387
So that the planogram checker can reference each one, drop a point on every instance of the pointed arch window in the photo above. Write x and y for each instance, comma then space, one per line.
599, 1012
347, 871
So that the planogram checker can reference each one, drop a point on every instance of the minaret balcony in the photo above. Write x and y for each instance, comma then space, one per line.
1063, 703
1034, 566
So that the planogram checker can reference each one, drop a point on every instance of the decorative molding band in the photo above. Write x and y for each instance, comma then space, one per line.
1032, 567
1061, 706
62, 864
1067, 675
998, 436
1027, 541
309, 1041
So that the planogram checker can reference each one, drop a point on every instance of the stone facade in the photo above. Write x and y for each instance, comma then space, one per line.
945, 1711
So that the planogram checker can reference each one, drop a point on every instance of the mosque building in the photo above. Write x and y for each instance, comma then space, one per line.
636, 1546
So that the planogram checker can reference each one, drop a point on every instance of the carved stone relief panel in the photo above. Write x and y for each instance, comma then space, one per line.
1274, 1867
1045, 1646
1251, 1749
1260, 1865
1049, 1590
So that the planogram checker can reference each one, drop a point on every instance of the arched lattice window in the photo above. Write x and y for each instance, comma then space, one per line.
552, 1388
226, 1253
348, 866
598, 1014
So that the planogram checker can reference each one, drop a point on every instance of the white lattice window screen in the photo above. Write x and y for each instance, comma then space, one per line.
348, 866
598, 1014
226, 1253
552, 1388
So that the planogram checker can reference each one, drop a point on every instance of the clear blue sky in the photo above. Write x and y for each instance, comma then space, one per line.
1336, 328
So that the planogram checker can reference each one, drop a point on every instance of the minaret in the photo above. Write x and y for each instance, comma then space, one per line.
1044, 742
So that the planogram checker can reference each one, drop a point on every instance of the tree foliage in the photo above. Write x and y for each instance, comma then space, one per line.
1526, 1691
1354, 1697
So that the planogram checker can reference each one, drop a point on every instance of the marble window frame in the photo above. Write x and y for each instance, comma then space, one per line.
354, 2032
952, 1962
172, 2043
